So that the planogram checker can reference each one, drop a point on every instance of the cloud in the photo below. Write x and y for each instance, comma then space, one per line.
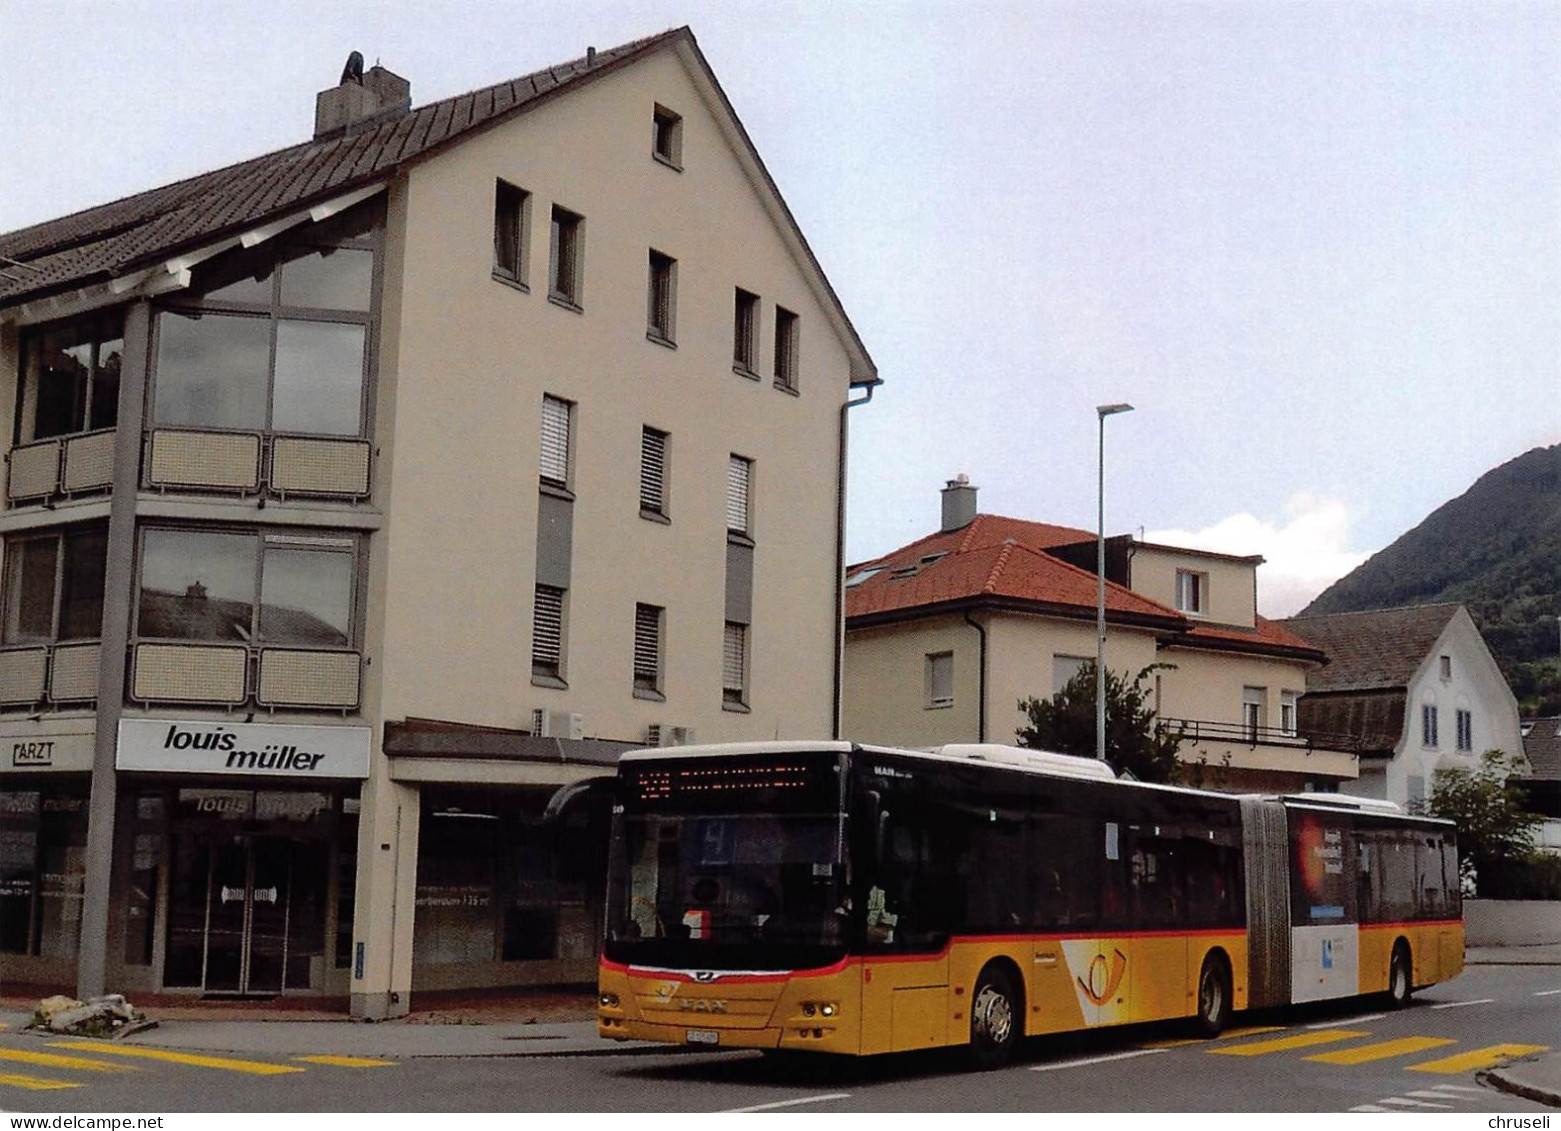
1303, 553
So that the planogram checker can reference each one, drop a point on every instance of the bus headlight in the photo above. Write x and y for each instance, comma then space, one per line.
827, 1009
608, 1001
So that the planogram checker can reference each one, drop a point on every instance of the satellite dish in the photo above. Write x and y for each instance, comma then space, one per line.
353, 71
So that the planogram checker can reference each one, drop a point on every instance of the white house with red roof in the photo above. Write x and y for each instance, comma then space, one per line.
946, 635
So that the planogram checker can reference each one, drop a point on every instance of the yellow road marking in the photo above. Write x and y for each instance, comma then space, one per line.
32, 1083
254, 1067
55, 1060
1479, 1058
1282, 1044
347, 1061
1249, 1031
1382, 1050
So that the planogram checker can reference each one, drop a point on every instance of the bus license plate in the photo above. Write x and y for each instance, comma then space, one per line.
703, 1037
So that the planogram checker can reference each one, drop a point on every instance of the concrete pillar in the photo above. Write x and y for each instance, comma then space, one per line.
118, 594
386, 894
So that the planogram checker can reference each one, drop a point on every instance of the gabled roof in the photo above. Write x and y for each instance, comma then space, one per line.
923, 578
1377, 650
114, 240
1542, 747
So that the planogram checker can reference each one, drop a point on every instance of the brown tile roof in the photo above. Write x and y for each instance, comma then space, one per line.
1373, 650
1542, 746
1363, 722
116, 239
993, 572
1265, 636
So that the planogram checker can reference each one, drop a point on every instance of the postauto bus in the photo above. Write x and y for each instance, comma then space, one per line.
852, 899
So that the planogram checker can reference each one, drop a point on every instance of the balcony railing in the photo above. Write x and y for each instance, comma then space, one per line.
48, 674
1205, 730
62, 465
233, 675
253, 463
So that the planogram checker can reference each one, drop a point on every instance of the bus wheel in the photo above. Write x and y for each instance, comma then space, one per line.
1213, 997
996, 1012
1399, 983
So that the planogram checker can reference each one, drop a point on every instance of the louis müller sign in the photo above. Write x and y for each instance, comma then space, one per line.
177, 746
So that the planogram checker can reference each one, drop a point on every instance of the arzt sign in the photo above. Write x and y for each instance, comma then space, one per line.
173, 746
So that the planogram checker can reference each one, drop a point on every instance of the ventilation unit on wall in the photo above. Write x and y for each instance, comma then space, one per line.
660, 734
556, 724
653, 734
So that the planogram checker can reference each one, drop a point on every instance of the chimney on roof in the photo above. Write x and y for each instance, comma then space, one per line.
959, 503
363, 99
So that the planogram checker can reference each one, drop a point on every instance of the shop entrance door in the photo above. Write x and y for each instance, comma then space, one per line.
248, 901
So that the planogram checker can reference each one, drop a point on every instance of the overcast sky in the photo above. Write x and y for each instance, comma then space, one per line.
1317, 245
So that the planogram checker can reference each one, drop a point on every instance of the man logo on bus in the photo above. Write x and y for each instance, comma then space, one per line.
1104, 978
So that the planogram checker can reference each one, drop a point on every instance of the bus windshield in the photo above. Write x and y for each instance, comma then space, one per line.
727, 890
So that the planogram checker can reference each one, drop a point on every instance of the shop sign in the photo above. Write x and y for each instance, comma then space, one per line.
297, 752
35, 751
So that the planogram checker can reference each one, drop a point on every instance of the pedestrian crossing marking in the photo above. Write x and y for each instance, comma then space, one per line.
1382, 1050
33, 1083
1249, 1031
1284, 1044
55, 1060
1479, 1058
347, 1061
253, 1067
1401, 1101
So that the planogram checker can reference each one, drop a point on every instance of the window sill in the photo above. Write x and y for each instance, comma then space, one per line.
787, 387
512, 281
939, 706
647, 694
552, 681
557, 490
743, 371
737, 708
565, 301
663, 159
660, 339
655, 516
738, 538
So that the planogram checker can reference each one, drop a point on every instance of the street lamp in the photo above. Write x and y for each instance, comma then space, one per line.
1101, 412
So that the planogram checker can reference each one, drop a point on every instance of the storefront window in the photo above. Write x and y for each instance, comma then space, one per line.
43, 848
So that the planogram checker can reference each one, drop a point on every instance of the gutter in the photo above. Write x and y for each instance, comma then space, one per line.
981, 681
840, 551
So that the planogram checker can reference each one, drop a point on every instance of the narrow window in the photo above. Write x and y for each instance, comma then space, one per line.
1428, 736
1447, 667
1287, 712
566, 261
661, 299
1465, 730
647, 649
1191, 591
653, 473
555, 441
547, 632
940, 680
510, 208
786, 345
734, 666
1252, 712
745, 333
739, 482
667, 137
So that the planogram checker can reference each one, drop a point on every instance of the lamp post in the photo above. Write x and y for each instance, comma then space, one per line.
1101, 412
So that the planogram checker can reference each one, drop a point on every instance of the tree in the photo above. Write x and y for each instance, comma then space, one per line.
1065, 723
1495, 827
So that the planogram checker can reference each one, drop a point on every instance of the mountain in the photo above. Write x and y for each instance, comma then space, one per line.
1497, 549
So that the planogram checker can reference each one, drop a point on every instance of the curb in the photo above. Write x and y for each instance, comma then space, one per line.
1502, 1083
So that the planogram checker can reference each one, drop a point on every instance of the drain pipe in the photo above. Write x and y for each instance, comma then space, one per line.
980, 681
840, 552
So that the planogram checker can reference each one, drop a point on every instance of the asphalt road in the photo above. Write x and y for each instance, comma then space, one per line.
1343, 1057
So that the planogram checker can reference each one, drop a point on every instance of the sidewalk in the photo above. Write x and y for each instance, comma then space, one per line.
542, 1023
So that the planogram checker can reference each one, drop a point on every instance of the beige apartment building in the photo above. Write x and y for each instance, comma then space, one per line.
945, 636
366, 499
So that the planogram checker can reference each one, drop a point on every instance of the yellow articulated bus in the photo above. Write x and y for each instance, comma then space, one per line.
852, 899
